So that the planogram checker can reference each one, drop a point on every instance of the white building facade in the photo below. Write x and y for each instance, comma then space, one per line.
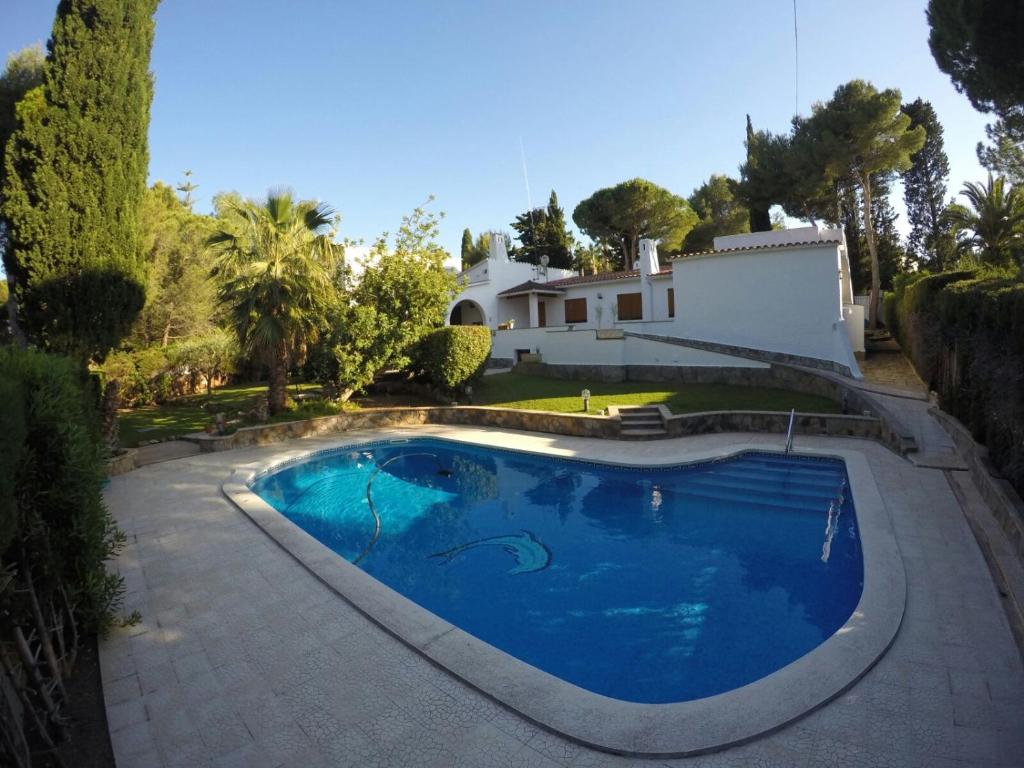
769, 296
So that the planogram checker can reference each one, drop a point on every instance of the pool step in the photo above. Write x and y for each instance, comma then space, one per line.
641, 422
797, 492
722, 496
823, 483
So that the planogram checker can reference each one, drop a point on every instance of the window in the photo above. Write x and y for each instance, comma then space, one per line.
671, 302
575, 311
630, 306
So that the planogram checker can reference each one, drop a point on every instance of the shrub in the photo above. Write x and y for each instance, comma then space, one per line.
63, 531
455, 355
12, 435
964, 332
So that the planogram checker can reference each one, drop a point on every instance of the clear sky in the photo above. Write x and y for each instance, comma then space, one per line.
373, 106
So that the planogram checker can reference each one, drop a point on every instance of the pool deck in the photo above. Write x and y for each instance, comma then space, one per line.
243, 658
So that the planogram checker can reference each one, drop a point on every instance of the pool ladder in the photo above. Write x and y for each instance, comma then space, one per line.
789, 432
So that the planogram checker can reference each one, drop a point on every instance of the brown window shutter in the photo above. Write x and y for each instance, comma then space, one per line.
630, 306
671, 302
575, 311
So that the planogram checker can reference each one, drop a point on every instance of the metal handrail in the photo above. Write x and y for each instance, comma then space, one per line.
789, 432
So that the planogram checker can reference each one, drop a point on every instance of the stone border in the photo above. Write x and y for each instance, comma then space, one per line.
122, 462
569, 424
611, 725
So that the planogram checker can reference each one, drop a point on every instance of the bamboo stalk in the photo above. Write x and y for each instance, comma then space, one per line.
72, 623
13, 731
26, 702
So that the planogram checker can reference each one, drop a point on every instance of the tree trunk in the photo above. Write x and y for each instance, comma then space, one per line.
277, 394
167, 334
869, 235
12, 316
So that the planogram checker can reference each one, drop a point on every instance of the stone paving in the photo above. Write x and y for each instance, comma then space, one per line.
242, 658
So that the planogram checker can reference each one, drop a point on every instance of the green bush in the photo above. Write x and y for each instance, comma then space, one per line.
64, 532
455, 355
144, 376
964, 332
12, 436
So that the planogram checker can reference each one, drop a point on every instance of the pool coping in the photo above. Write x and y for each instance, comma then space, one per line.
600, 722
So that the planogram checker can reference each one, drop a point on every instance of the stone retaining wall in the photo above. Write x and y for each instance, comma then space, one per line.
999, 495
576, 425
123, 462
857, 402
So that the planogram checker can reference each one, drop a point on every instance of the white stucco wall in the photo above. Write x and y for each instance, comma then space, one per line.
484, 281
582, 347
781, 300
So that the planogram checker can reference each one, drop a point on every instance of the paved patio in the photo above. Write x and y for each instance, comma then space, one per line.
244, 659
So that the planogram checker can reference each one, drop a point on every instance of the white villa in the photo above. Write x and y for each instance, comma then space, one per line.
780, 296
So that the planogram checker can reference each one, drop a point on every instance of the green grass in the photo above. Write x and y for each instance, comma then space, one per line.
509, 390
188, 414
512, 390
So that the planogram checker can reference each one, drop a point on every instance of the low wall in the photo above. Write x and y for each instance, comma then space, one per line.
999, 495
574, 425
122, 462
854, 401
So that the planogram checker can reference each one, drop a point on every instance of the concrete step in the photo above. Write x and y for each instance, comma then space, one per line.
641, 433
640, 419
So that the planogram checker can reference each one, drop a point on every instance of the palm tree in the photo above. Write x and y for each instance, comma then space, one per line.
275, 260
996, 219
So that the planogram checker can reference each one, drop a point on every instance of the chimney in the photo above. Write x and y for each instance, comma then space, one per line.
497, 250
648, 260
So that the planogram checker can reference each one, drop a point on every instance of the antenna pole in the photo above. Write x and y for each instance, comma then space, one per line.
529, 199
796, 68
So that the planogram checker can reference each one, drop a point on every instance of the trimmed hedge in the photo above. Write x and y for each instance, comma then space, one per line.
964, 332
455, 356
60, 529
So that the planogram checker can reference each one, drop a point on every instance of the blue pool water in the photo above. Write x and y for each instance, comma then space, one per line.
647, 585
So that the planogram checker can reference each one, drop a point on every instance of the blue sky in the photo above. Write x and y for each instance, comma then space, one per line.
373, 106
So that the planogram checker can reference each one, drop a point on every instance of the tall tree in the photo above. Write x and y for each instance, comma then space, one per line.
759, 176
978, 44
861, 132
275, 260
179, 292
1004, 156
720, 212
466, 250
924, 188
542, 232
995, 220
75, 174
891, 253
186, 188
23, 73
620, 216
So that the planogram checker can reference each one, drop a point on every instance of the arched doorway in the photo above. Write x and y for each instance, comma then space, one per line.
467, 312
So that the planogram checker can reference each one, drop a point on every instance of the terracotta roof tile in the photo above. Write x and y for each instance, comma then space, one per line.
531, 285
766, 247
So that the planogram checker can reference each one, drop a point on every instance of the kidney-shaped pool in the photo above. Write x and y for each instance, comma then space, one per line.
651, 585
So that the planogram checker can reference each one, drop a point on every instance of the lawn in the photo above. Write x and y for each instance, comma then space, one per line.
509, 390
188, 414
513, 390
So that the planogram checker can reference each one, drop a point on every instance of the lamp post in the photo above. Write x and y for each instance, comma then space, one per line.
585, 394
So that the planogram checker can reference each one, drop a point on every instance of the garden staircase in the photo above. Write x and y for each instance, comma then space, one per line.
641, 422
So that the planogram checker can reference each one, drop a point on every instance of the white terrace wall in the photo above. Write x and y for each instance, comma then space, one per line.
784, 300
582, 347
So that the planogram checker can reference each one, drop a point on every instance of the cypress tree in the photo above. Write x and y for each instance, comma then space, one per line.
924, 187
467, 248
75, 176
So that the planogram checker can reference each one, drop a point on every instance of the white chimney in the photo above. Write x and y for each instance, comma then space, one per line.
648, 260
497, 250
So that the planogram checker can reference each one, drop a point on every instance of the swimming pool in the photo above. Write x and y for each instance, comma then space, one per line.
650, 585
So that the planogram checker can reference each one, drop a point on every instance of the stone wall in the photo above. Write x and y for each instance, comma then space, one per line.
122, 462
854, 401
575, 425
999, 495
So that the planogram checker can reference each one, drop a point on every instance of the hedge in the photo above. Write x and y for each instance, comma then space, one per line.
455, 356
964, 332
61, 529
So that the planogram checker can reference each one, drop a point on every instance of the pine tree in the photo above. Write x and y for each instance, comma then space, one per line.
891, 254
758, 202
924, 188
75, 176
187, 188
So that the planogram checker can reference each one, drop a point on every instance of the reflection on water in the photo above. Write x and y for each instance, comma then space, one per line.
653, 586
